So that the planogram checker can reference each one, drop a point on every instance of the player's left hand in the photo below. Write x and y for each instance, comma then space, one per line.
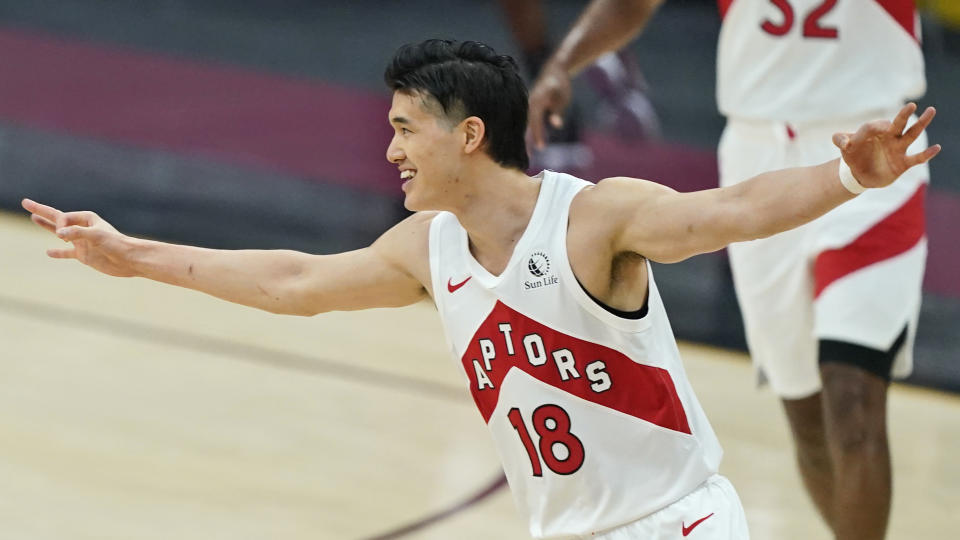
877, 152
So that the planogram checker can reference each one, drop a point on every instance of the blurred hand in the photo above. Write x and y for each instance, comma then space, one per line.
549, 97
95, 242
877, 152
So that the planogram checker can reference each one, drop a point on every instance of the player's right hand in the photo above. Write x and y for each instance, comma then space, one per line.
549, 97
95, 242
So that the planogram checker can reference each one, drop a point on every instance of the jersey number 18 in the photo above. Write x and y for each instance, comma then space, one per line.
552, 424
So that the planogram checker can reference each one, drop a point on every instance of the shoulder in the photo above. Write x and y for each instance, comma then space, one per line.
617, 210
613, 189
406, 245
413, 225
616, 197
409, 237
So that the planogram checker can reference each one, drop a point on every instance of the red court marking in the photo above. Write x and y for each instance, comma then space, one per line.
426, 521
892, 236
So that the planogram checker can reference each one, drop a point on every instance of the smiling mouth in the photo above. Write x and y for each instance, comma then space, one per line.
408, 174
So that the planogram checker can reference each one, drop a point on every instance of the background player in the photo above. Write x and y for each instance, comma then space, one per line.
615, 77
845, 290
459, 115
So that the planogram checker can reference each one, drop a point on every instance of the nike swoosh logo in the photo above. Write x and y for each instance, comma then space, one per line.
453, 288
686, 530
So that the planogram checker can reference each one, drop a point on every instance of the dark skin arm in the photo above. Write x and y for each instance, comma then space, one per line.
605, 25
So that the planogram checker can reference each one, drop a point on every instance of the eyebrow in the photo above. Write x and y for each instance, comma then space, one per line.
399, 120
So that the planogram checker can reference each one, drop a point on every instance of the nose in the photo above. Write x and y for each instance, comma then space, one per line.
394, 152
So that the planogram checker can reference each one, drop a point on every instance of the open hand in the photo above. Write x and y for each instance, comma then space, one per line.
549, 97
95, 242
877, 152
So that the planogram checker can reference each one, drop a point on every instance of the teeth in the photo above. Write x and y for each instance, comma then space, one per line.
407, 174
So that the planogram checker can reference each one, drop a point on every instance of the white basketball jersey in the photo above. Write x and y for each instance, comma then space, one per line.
809, 60
591, 413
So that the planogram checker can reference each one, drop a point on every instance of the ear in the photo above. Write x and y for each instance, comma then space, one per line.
473, 131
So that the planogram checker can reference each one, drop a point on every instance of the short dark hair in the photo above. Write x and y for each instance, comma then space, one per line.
467, 79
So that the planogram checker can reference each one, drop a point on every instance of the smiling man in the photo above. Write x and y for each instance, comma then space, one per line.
544, 288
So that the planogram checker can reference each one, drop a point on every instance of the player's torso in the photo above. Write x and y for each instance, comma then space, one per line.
592, 415
809, 60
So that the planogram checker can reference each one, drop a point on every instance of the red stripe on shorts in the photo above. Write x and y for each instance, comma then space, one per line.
892, 236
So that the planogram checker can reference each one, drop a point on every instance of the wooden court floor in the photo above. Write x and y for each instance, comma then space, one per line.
133, 410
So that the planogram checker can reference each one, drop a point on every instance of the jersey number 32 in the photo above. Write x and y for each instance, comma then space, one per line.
811, 22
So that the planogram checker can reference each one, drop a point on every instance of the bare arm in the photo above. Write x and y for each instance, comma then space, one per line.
279, 281
605, 25
667, 226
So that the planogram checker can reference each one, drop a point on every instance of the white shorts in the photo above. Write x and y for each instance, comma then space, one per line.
852, 275
710, 512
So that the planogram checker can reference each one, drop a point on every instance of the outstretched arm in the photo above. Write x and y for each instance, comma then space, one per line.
279, 281
605, 25
663, 225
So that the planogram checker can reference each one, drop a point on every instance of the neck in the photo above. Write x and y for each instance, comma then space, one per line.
495, 208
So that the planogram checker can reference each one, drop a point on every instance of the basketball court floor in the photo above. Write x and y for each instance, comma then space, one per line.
133, 410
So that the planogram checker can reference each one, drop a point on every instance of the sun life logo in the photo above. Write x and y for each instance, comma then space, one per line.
539, 264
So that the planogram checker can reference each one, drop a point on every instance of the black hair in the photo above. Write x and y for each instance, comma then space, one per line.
467, 79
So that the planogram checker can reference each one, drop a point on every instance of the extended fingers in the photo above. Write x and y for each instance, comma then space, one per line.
67, 219
922, 157
47, 212
900, 122
74, 232
921, 124
62, 253
52, 219
43, 222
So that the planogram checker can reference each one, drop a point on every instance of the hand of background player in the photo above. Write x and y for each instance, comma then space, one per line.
95, 242
549, 97
877, 152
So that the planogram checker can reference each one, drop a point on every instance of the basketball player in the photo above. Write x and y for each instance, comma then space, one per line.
543, 286
830, 309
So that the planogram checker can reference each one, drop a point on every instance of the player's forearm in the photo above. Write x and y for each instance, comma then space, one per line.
606, 25
261, 279
778, 201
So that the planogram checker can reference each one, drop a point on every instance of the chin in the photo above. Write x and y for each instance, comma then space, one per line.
412, 203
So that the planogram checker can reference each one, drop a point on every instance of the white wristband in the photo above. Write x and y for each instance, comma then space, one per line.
848, 180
